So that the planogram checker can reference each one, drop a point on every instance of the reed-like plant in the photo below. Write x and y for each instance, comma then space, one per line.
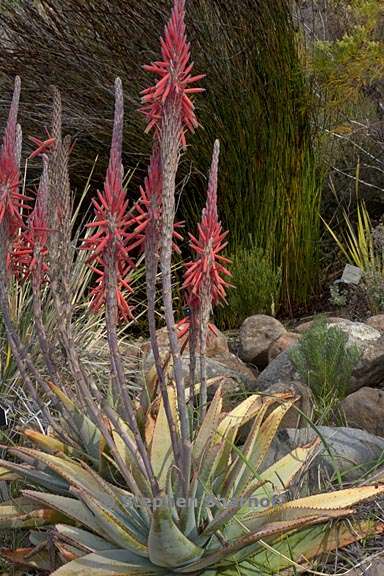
116, 491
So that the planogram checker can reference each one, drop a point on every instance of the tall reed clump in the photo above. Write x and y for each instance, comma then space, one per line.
116, 490
256, 103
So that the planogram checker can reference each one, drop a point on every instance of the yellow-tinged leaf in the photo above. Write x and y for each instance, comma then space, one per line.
6, 475
161, 449
47, 442
337, 499
208, 426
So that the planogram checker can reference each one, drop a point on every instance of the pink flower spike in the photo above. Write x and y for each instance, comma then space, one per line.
205, 269
175, 80
10, 200
108, 245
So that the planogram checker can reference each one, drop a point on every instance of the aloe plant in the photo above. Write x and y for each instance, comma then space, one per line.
112, 486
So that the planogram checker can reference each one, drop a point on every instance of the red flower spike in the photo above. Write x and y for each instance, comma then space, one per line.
175, 79
11, 201
207, 268
30, 250
43, 146
110, 242
149, 206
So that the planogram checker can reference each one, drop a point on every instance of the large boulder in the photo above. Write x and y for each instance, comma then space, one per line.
225, 366
376, 321
284, 342
368, 372
347, 450
256, 336
216, 343
365, 409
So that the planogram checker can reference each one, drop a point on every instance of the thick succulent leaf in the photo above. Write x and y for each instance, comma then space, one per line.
264, 438
88, 435
111, 563
48, 443
75, 474
240, 415
70, 507
168, 546
161, 449
28, 558
330, 504
335, 500
208, 427
246, 411
6, 475
127, 456
242, 469
283, 472
39, 478
229, 552
81, 539
302, 546
23, 512
119, 530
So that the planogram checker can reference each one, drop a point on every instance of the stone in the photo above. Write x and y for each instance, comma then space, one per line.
368, 372
293, 419
226, 366
256, 335
376, 321
284, 342
352, 451
216, 343
304, 326
365, 409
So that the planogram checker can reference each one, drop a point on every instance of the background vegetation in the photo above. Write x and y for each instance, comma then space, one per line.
257, 102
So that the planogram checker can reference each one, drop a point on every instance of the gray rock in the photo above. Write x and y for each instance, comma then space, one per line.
256, 335
368, 372
352, 451
226, 365
365, 409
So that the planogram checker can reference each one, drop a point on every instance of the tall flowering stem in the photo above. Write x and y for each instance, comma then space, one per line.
205, 276
110, 250
170, 113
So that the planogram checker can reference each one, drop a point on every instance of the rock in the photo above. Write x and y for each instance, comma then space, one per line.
376, 322
365, 409
301, 328
216, 343
279, 371
368, 372
227, 366
352, 451
293, 419
284, 342
256, 335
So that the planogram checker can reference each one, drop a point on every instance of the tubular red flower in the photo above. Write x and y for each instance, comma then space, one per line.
11, 201
110, 242
208, 269
30, 249
175, 77
149, 207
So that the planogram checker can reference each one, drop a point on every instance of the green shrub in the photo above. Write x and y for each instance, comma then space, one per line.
325, 363
257, 287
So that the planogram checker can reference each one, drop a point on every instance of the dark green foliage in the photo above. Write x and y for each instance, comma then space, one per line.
256, 288
325, 363
257, 103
